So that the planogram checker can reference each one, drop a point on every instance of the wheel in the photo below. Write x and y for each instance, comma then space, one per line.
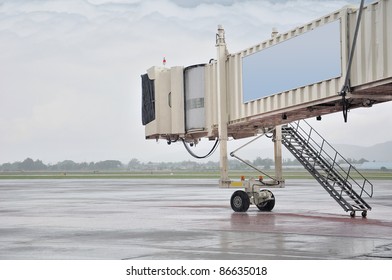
240, 201
352, 214
268, 205
364, 214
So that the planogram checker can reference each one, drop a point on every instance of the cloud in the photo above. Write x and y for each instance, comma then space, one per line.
70, 70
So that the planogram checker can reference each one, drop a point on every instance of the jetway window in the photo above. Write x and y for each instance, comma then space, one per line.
309, 58
148, 100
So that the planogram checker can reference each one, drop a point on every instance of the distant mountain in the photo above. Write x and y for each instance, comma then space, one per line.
379, 152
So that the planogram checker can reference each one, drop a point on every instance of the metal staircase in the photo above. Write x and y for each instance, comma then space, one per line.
334, 173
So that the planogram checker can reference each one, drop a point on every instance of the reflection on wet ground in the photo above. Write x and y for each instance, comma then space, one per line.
184, 219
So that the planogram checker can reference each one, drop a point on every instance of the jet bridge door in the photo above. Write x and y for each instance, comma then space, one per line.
163, 102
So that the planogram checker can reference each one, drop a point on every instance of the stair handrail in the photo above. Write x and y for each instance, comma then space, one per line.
323, 153
333, 160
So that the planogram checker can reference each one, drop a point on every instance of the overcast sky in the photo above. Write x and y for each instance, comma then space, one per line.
70, 71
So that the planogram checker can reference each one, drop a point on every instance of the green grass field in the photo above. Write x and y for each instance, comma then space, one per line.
288, 174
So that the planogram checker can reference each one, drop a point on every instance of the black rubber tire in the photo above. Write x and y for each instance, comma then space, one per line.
240, 201
352, 214
364, 214
268, 205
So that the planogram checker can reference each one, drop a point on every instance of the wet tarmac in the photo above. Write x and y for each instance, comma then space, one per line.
184, 219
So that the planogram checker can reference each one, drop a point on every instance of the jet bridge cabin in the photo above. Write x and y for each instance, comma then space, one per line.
338, 62
291, 76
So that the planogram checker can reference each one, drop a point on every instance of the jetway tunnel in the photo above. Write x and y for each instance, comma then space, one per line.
338, 62
278, 81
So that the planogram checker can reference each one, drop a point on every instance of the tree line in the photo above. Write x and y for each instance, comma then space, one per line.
67, 165
134, 165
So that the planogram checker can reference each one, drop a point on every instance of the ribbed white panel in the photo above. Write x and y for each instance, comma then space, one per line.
288, 99
373, 56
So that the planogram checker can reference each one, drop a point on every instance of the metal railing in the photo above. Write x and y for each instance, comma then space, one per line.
352, 177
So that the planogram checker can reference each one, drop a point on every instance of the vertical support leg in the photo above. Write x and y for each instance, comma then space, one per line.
222, 105
278, 153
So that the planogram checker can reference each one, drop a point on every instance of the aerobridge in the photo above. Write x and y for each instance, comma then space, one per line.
338, 62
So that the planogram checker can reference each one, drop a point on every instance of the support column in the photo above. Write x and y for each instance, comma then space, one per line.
278, 153
222, 106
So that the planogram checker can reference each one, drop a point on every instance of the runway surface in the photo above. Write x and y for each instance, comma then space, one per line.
184, 219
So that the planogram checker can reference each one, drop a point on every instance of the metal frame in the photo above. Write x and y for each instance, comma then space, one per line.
346, 185
368, 71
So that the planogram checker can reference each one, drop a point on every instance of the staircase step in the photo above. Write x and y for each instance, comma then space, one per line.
321, 169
